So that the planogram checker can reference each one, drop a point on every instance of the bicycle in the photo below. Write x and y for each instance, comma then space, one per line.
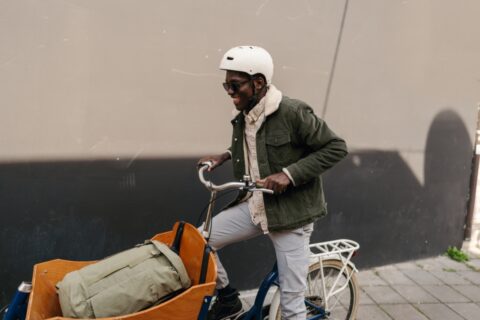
331, 272
332, 288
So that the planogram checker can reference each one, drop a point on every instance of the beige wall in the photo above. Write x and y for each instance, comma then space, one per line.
118, 78
401, 63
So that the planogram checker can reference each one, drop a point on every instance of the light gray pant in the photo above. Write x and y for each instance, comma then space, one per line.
291, 250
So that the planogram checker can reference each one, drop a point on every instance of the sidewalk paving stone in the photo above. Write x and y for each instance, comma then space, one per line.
403, 311
369, 278
473, 276
438, 311
395, 277
371, 312
364, 298
449, 277
431, 264
469, 311
415, 294
470, 291
423, 277
452, 264
407, 266
442, 263
385, 294
446, 294
388, 267
475, 263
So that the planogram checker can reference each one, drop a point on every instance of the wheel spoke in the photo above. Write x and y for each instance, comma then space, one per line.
339, 304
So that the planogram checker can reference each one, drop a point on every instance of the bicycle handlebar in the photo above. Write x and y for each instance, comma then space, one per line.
247, 185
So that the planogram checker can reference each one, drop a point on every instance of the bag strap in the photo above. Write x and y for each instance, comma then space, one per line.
206, 255
176, 262
178, 237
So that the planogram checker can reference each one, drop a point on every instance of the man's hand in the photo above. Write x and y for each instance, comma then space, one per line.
277, 182
215, 160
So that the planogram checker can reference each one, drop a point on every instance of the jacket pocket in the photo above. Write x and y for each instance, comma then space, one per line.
278, 139
279, 150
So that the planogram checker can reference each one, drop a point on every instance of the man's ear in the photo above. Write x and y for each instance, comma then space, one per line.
259, 83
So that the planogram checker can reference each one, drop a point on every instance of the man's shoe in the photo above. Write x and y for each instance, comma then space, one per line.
225, 307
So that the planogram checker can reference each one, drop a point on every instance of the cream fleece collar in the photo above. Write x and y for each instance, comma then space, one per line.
272, 100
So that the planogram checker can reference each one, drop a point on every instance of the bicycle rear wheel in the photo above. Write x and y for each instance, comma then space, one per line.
341, 305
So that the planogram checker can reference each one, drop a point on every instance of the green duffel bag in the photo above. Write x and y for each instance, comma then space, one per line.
124, 283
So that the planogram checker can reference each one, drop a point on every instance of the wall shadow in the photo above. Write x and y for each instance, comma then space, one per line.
86, 210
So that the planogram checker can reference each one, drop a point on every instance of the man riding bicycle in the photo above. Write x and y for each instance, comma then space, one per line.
283, 146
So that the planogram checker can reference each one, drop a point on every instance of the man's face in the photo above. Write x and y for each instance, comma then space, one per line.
239, 89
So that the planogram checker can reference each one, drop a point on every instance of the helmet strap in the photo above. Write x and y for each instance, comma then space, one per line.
254, 99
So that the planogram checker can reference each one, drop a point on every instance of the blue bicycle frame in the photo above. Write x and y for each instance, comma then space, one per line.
17, 309
256, 311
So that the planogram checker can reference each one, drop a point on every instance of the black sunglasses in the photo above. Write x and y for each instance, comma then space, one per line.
234, 85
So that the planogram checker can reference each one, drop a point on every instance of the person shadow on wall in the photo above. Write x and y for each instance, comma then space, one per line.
375, 198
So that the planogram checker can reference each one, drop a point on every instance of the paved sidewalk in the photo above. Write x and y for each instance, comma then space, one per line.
435, 288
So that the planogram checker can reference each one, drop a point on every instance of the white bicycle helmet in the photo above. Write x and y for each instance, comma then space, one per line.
248, 59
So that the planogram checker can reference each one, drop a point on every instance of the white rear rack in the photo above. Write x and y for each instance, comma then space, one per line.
326, 249
341, 249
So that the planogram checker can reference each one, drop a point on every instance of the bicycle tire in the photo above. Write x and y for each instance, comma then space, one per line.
339, 310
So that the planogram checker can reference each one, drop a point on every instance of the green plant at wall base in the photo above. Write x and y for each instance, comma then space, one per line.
457, 255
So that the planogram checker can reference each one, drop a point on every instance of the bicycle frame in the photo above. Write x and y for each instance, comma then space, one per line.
256, 311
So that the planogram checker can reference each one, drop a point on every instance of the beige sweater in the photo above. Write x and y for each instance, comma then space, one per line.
253, 120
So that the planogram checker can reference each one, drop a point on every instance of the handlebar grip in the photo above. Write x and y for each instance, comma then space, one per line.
264, 190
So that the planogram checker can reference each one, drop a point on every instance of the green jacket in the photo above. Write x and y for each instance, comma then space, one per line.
292, 137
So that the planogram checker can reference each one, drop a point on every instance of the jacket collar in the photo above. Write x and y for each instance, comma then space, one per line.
272, 100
